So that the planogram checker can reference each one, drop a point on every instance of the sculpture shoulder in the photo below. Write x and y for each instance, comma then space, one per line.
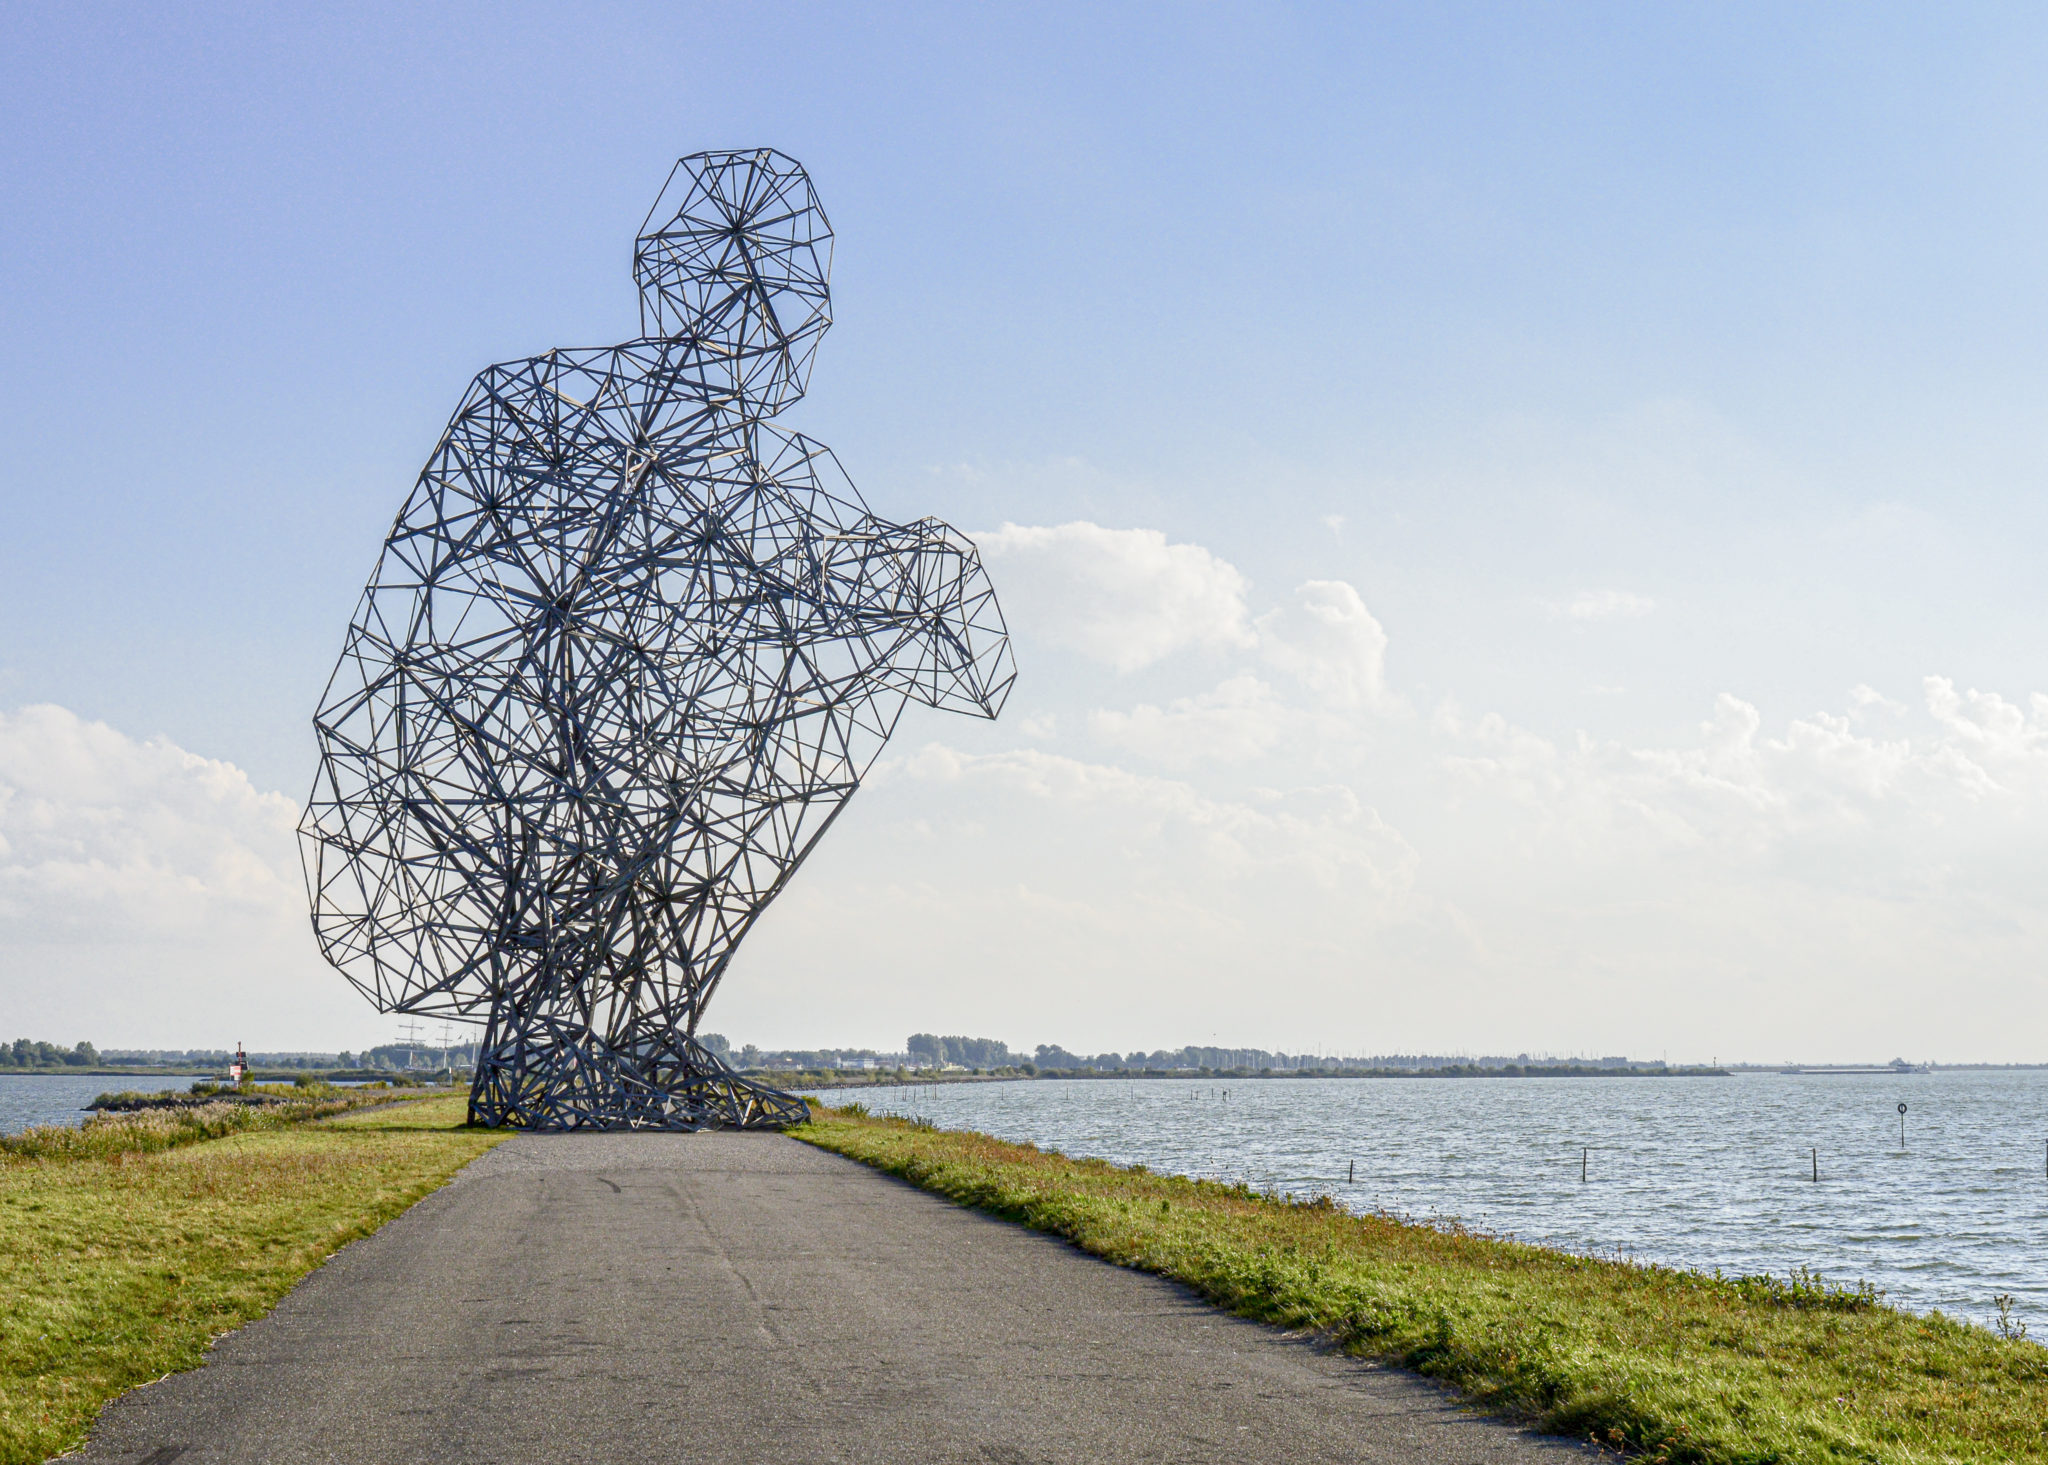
579, 385
571, 427
584, 406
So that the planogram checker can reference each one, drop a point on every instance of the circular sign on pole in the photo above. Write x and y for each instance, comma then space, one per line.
1902, 1108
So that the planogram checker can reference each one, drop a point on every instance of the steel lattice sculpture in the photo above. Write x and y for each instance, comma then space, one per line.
627, 652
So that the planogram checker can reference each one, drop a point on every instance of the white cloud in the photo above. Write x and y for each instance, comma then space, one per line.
1871, 892
1603, 605
1740, 791
1331, 655
1328, 641
1238, 720
149, 896
1129, 599
1123, 597
1086, 894
1865, 699
1990, 743
1325, 835
1861, 874
107, 837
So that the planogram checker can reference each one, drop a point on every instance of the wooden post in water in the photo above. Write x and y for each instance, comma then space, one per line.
1582, 1165
1816, 1166
1352, 1177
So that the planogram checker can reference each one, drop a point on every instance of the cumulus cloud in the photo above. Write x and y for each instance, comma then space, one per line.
1129, 599
1240, 719
1327, 647
1328, 641
1324, 834
148, 892
1123, 597
1870, 878
1467, 880
104, 836
987, 883
1742, 791
1801, 866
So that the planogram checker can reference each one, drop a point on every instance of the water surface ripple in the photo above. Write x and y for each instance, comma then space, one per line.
29, 1099
1698, 1172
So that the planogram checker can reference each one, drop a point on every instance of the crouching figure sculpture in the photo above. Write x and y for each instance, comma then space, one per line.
626, 654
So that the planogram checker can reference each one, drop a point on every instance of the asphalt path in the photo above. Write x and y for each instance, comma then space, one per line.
719, 1298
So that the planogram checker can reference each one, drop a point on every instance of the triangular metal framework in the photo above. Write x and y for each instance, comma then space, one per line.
626, 654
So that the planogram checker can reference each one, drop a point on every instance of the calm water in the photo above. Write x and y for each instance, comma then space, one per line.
1709, 1172
28, 1099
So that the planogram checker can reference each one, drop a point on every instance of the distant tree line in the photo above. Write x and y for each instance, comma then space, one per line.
799, 1059
967, 1052
387, 1057
1051, 1055
416, 1055
27, 1053
1254, 1060
952, 1050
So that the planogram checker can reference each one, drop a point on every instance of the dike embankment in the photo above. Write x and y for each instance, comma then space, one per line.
1666, 1364
745, 1297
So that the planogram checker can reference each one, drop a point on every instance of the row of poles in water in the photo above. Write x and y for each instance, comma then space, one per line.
1585, 1151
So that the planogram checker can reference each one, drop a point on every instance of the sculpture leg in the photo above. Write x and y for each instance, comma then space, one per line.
543, 1072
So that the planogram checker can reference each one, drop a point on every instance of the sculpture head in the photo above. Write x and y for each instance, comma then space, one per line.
736, 256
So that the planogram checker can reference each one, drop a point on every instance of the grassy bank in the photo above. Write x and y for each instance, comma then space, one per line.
196, 1117
126, 1249
1677, 1365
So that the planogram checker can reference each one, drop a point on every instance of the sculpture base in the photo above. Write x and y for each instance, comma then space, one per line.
548, 1076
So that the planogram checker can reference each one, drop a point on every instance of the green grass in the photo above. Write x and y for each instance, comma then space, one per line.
149, 1130
1675, 1365
125, 1250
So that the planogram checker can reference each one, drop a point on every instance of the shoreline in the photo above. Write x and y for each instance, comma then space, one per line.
1675, 1364
840, 1079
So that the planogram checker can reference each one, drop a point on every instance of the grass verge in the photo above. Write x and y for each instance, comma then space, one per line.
144, 1131
123, 1256
1678, 1366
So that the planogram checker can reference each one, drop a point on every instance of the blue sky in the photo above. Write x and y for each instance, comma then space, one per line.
1626, 364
